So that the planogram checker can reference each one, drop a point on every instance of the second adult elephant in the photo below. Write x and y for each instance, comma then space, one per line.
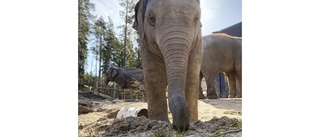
222, 53
123, 77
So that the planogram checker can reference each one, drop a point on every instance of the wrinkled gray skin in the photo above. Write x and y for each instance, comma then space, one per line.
222, 53
170, 39
123, 77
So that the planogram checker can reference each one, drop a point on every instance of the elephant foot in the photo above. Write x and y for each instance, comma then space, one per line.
232, 96
160, 117
239, 96
212, 97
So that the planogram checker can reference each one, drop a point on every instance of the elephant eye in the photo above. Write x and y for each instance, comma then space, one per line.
152, 21
195, 20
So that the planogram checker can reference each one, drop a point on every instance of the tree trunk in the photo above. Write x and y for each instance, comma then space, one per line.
96, 85
99, 78
125, 37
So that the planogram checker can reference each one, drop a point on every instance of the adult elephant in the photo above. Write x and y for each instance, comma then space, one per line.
170, 39
221, 53
123, 77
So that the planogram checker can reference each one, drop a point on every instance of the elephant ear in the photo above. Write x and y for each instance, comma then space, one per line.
141, 17
144, 8
135, 24
114, 73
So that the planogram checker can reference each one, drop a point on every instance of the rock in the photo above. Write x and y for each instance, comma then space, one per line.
84, 110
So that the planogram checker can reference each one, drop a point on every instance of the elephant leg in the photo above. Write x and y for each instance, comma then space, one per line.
155, 86
238, 85
238, 68
227, 84
232, 83
193, 83
218, 84
201, 96
223, 85
211, 86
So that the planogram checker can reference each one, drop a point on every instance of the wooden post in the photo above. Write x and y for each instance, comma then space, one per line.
114, 91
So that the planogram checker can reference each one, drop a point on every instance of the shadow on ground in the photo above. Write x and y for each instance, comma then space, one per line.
225, 103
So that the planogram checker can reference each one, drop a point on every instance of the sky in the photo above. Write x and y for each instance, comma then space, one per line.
215, 15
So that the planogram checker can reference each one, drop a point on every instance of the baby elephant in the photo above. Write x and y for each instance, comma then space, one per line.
222, 53
123, 77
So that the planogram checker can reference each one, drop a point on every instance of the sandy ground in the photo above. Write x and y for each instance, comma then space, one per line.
101, 120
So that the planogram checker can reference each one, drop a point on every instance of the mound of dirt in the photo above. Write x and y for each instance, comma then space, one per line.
90, 102
93, 95
142, 126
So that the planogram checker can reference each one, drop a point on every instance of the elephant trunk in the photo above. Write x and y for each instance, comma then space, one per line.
175, 49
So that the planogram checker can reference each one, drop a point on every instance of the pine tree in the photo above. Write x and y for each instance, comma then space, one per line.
128, 16
118, 55
130, 53
84, 16
109, 50
138, 58
100, 34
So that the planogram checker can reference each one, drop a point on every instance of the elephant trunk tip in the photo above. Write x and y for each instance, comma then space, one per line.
181, 129
180, 113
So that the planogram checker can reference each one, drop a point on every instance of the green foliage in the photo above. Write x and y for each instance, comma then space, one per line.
88, 80
118, 54
239, 125
138, 63
99, 28
159, 133
110, 49
217, 133
84, 15
130, 58
128, 15
180, 134
113, 50
100, 33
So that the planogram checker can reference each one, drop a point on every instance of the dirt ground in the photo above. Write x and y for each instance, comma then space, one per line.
217, 117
